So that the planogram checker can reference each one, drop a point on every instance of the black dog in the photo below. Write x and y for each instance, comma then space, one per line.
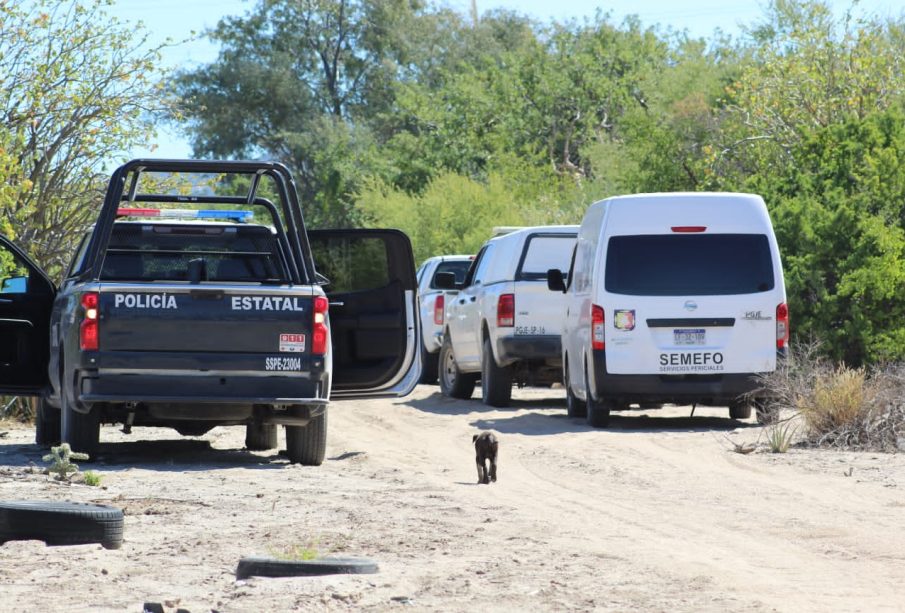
485, 446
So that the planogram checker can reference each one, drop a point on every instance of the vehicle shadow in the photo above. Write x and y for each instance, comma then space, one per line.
438, 404
539, 424
173, 455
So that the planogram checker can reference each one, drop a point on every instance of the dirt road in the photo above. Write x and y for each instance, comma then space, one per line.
655, 513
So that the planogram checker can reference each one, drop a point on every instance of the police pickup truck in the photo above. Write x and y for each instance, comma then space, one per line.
208, 309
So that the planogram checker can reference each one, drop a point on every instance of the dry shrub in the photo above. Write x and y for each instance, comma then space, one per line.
838, 396
842, 407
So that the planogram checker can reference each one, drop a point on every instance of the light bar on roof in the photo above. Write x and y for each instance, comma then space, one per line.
242, 216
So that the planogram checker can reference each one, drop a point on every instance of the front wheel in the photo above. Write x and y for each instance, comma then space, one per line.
453, 382
307, 445
260, 437
496, 382
575, 407
47, 424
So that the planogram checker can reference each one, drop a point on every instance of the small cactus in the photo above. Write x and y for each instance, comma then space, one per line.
61, 461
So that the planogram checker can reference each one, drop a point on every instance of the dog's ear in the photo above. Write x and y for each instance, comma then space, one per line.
474, 438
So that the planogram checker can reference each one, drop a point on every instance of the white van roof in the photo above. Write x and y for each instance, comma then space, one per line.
659, 213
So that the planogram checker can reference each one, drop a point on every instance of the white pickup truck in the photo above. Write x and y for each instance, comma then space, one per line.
433, 300
504, 326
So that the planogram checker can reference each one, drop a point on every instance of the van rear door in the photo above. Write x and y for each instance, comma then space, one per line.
691, 303
373, 295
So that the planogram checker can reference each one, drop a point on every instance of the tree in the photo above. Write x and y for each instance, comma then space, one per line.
77, 88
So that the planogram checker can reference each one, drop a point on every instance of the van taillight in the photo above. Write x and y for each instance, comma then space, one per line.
505, 311
782, 326
320, 335
689, 228
88, 330
438, 310
597, 330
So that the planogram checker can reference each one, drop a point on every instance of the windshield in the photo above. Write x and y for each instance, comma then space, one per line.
689, 265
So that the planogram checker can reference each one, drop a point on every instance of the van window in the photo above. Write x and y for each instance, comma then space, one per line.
543, 252
458, 268
689, 265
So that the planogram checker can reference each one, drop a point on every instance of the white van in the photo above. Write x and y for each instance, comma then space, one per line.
672, 298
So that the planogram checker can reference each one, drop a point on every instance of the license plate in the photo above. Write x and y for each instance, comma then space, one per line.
529, 330
685, 336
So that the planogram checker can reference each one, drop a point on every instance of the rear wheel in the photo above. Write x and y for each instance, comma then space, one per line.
47, 424
739, 410
598, 411
496, 382
574, 406
453, 382
307, 445
260, 437
81, 430
429, 367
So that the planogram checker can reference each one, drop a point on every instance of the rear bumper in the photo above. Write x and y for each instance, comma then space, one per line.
511, 349
717, 389
196, 387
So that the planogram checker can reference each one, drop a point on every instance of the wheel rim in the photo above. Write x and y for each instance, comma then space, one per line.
449, 368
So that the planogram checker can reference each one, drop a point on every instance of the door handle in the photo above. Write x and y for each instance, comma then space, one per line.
337, 303
5, 301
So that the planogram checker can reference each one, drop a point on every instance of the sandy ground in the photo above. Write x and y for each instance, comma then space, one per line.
656, 513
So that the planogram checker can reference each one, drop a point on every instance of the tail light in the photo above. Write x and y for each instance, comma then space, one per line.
320, 335
439, 304
88, 330
505, 311
782, 326
597, 329
688, 229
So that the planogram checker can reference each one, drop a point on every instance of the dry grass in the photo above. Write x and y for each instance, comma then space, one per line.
841, 406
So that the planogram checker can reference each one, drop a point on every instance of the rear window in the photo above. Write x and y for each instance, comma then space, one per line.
689, 265
152, 252
352, 263
543, 252
458, 268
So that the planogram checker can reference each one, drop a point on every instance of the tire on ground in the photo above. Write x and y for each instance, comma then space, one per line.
307, 445
47, 424
453, 382
496, 382
260, 437
61, 523
272, 567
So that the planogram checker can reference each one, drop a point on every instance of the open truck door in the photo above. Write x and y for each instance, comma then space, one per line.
26, 299
373, 294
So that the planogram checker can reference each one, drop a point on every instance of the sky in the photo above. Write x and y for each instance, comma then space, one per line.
180, 20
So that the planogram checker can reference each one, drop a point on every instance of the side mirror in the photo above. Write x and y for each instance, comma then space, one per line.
445, 280
555, 281
14, 285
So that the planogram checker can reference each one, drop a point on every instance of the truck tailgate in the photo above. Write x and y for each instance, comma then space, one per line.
176, 318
